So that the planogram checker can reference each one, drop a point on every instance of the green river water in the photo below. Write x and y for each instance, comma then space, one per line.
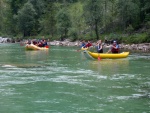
61, 80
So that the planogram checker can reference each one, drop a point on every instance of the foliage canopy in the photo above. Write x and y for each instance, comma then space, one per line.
76, 19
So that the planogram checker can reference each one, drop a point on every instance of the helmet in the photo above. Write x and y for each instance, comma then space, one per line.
114, 41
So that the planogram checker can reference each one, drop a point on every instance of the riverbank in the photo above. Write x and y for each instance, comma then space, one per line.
143, 47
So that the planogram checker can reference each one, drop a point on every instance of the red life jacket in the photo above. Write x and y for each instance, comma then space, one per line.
88, 44
113, 50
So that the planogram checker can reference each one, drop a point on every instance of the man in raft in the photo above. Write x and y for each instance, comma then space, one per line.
89, 44
83, 44
114, 48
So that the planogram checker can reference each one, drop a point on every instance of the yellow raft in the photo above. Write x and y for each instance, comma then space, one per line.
92, 55
34, 47
86, 48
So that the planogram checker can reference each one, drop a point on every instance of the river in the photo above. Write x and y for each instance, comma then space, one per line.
61, 80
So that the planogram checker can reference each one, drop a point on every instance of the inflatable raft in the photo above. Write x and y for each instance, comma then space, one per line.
92, 55
34, 47
86, 48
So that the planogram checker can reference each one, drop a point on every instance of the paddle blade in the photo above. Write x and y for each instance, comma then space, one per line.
47, 46
99, 58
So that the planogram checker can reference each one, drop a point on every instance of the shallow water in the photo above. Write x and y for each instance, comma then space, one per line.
61, 80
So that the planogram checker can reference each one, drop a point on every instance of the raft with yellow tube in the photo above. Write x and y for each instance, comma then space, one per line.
86, 48
93, 55
34, 47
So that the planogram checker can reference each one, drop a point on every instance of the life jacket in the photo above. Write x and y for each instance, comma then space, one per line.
115, 50
83, 45
34, 42
99, 46
88, 44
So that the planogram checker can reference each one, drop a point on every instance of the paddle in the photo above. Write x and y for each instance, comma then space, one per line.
47, 46
99, 58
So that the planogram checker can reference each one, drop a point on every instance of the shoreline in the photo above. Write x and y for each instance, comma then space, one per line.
143, 47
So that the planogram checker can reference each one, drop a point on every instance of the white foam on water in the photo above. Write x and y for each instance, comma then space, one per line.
54, 101
135, 57
9, 91
133, 96
123, 97
8, 66
137, 95
122, 76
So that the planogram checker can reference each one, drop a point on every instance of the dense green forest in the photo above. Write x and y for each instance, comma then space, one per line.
125, 20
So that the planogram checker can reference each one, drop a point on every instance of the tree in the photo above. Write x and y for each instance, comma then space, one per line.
128, 12
2, 14
63, 23
26, 19
145, 10
94, 13
16, 5
40, 9
48, 20
77, 20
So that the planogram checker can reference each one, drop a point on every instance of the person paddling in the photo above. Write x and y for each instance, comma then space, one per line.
83, 44
89, 44
114, 48
100, 46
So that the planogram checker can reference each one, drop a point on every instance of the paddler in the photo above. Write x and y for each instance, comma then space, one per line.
99, 46
114, 48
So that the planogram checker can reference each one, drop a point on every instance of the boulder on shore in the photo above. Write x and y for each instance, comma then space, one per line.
5, 40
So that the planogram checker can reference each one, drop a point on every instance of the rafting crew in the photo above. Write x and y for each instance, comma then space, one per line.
40, 43
114, 48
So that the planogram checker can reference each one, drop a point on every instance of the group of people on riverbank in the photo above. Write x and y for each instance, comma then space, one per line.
99, 46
